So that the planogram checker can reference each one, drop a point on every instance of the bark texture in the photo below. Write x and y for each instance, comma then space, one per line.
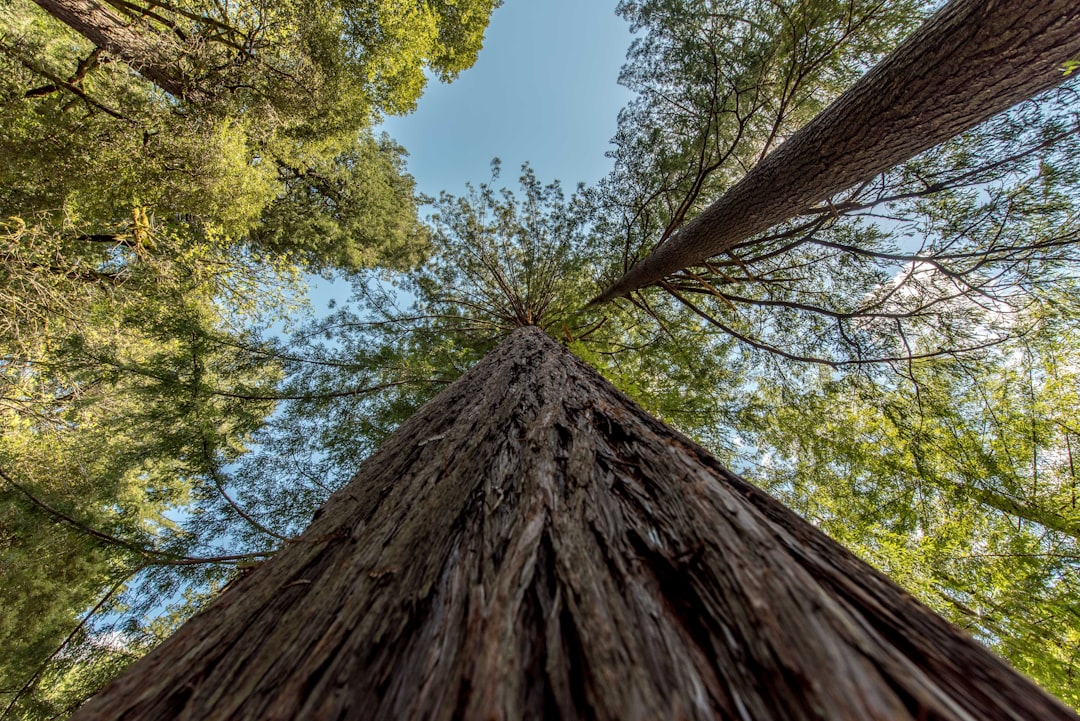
971, 60
533, 545
154, 56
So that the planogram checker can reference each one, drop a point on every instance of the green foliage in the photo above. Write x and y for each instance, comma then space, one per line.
151, 223
957, 480
354, 210
271, 147
119, 399
131, 275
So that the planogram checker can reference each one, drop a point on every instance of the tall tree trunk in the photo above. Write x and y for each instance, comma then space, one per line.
153, 55
531, 544
1029, 511
971, 60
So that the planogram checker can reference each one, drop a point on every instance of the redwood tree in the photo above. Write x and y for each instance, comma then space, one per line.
532, 544
969, 61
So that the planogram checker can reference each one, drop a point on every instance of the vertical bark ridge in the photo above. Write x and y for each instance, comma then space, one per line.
532, 545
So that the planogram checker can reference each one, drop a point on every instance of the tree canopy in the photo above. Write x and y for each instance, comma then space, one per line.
171, 171
897, 363
265, 118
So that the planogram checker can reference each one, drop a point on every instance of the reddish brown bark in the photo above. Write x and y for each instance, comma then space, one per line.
532, 545
972, 59
153, 55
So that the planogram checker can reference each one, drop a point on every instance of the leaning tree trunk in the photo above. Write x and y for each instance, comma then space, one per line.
971, 60
531, 544
153, 55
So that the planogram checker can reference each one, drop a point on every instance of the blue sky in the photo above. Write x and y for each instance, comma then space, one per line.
544, 89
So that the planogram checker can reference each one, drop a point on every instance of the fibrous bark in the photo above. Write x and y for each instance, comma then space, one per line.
531, 544
971, 60
153, 55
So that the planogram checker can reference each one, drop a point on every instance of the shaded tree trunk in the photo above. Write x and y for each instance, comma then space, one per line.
1029, 511
530, 544
971, 60
153, 55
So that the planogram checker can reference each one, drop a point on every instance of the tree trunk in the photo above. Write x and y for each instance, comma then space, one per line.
153, 55
971, 60
1021, 509
531, 544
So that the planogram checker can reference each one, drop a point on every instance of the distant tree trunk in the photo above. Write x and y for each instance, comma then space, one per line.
531, 544
971, 60
153, 55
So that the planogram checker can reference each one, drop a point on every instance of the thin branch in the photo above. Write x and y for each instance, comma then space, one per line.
323, 396
60, 82
215, 476
151, 556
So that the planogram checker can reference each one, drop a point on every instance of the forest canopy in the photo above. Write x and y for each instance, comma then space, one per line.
897, 364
